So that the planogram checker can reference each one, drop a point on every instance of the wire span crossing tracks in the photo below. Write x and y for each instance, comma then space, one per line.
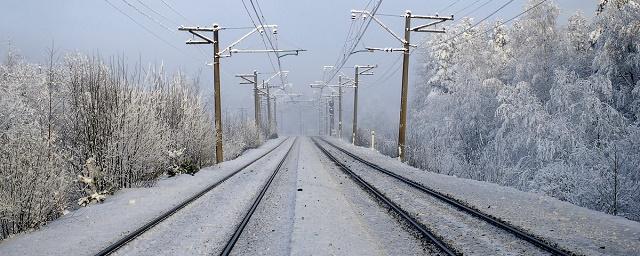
459, 205
236, 235
141, 230
395, 208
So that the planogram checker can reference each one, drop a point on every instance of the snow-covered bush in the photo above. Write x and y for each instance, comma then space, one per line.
75, 132
34, 177
239, 135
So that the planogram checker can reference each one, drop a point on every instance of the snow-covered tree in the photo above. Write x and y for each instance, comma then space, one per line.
536, 106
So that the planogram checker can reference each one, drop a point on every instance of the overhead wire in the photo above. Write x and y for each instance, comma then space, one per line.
476, 24
364, 27
477, 8
449, 6
175, 11
346, 51
255, 25
156, 21
146, 28
510, 19
148, 16
466, 7
493, 27
260, 18
157, 13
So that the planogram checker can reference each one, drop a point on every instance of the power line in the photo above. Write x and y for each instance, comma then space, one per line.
477, 8
154, 20
390, 71
145, 28
494, 27
261, 35
511, 19
359, 37
346, 51
466, 7
148, 16
477, 23
175, 11
267, 36
157, 13
448, 6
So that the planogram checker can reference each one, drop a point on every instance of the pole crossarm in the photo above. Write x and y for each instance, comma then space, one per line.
365, 12
287, 95
388, 49
257, 28
194, 31
291, 52
247, 78
365, 69
437, 21
283, 73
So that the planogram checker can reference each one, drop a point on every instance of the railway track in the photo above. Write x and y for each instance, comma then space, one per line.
144, 228
415, 224
440, 196
238, 231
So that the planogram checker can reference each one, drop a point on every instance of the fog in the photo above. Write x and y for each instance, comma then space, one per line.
320, 27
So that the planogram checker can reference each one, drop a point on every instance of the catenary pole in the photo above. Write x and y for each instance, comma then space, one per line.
405, 86
340, 106
217, 54
354, 127
216, 92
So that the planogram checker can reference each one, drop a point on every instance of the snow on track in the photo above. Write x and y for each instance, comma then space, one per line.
468, 235
334, 217
575, 228
90, 229
204, 227
269, 230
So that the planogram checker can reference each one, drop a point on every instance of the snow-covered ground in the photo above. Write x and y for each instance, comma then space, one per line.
468, 235
90, 229
577, 229
312, 207
340, 218
206, 225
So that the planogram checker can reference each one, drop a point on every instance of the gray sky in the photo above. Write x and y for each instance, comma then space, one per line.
318, 26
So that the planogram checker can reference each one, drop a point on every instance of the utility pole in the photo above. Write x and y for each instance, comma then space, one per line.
275, 114
319, 117
331, 116
342, 82
266, 87
406, 44
269, 121
275, 106
354, 128
217, 54
340, 106
330, 111
253, 79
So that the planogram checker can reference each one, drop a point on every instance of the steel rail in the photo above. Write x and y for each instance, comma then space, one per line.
236, 235
395, 208
141, 230
458, 204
